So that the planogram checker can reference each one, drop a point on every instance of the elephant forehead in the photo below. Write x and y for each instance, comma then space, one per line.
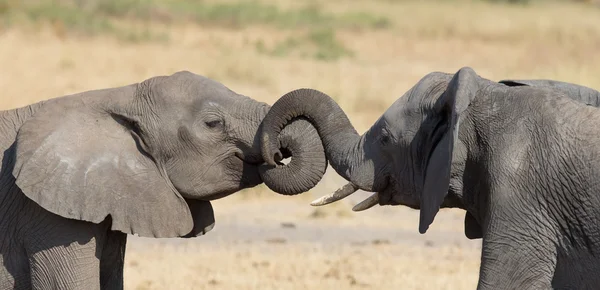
212, 104
187, 86
401, 117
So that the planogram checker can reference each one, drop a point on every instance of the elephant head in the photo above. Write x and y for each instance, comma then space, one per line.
151, 155
405, 157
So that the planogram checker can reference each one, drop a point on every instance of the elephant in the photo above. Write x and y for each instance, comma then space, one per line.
81, 172
521, 159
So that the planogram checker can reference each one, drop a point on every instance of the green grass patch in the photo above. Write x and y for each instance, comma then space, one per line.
81, 21
321, 44
81, 18
328, 46
117, 18
92, 17
245, 13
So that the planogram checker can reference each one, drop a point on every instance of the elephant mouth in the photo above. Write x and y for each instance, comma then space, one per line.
390, 195
258, 161
250, 174
385, 197
255, 162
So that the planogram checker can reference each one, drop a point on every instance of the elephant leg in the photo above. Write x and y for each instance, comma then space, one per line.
516, 256
506, 265
64, 254
74, 266
111, 261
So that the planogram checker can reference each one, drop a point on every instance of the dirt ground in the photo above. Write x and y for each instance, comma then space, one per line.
265, 241
283, 243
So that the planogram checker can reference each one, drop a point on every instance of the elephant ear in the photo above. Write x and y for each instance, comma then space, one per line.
80, 158
203, 216
461, 89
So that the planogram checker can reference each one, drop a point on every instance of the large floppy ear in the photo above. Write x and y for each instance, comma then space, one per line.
81, 157
461, 89
203, 216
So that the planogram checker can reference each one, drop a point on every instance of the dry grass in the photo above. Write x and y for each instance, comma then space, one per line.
279, 243
300, 266
554, 40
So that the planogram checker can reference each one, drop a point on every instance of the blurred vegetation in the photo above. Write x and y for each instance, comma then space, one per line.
315, 30
320, 44
115, 17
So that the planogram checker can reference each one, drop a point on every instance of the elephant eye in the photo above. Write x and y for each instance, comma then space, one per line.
214, 124
384, 138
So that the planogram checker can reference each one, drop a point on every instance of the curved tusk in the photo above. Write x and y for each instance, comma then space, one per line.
342, 192
367, 203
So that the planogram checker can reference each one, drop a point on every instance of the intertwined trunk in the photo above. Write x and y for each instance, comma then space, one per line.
301, 142
344, 147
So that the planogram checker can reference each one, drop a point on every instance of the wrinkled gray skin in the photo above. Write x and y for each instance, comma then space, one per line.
82, 171
522, 160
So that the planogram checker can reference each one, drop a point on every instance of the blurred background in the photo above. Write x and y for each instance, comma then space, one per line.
364, 53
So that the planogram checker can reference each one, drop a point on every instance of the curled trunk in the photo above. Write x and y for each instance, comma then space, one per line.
301, 142
300, 139
344, 147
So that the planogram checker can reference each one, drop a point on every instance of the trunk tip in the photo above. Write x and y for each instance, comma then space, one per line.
270, 153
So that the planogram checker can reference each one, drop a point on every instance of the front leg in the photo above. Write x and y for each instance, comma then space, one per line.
72, 267
68, 264
112, 261
64, 253
517, 253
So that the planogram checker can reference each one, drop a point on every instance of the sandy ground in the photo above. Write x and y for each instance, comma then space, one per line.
282, 243
265, 241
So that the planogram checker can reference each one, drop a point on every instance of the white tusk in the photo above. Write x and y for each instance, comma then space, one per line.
367, 203
342, 192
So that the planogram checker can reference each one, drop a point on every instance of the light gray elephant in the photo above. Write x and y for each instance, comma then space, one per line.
80, 172
522, 160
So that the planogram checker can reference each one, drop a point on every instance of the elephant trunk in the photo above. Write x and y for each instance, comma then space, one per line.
299, 140
344, 147
308, 163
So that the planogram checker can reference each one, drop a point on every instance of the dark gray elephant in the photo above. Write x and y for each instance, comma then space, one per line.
523, 161
80, 172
